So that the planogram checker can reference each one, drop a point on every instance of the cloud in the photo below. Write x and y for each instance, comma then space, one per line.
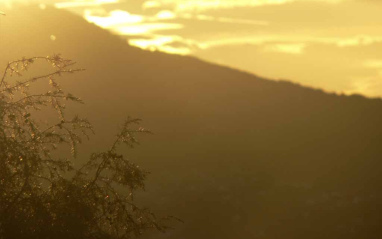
74, 4
145, 28
358, 40
169, 44
202, 17
165, 14
203, 5
124, 23
294, 48
116, 17
289, 43
151, 4
242, 21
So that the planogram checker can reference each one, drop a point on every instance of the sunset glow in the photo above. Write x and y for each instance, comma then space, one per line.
241, 119
253, 35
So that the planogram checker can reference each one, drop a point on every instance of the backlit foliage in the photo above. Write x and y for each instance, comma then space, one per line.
45, 196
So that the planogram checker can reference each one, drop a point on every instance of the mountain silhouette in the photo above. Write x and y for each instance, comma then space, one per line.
233, 155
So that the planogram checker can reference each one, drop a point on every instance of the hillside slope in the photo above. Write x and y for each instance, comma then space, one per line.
233, 155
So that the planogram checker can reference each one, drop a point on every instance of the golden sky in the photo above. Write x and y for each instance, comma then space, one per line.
331, 44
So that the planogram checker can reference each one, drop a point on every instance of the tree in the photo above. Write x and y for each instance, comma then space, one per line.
44, 196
